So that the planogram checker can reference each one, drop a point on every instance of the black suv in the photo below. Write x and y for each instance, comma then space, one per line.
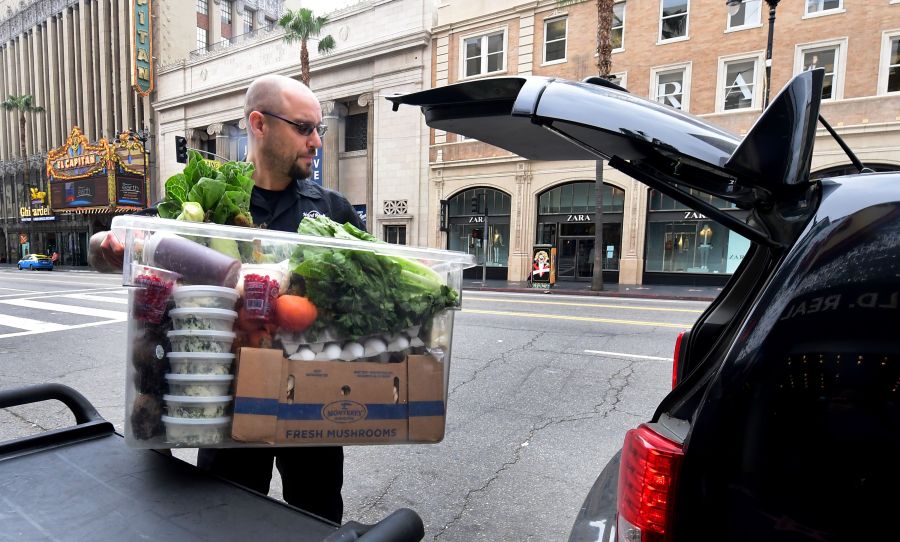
783, 423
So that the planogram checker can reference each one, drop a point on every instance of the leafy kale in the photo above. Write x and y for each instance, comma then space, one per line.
223, 192
358, 292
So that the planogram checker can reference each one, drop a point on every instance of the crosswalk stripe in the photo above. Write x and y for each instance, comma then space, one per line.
29, 324
57, 307
104, 299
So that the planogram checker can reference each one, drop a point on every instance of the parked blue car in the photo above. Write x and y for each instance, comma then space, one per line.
36, 261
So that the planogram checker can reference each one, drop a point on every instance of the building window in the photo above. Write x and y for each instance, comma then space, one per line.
815, 7
395, 234
739, 88
249, 20
484, 54
203, 7
673, 21
555, 40
671, 86
356, 129
620, 79
618, 26
889, 72
467, 229
226, 11
828, 57
270, 23
202, 38
747, 16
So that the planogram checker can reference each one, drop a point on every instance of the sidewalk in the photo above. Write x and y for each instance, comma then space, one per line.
649, 291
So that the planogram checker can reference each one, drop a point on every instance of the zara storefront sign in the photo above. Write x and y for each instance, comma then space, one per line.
694, 215
476, 220
579, 218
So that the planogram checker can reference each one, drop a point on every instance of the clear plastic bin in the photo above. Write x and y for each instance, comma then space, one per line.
203, 319
195, 385
386, 383
201, 340
209, 297
200, 363
186, 406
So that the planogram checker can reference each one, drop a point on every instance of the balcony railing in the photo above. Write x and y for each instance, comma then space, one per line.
228, 43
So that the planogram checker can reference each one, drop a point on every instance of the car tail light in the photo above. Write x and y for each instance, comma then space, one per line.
675, 361
647, 478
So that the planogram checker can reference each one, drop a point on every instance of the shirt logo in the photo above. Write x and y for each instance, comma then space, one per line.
312, 214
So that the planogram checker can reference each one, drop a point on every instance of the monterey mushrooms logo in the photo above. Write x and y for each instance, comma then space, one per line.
344, 412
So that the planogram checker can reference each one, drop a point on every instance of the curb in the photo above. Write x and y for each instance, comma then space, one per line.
589, 293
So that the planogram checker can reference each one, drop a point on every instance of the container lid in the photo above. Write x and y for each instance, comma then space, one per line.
429, 256
196, 421
197, 399
206, 333
211, 356
205, 290
199, 378
218, 314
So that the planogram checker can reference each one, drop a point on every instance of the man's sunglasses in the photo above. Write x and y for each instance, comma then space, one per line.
304, 128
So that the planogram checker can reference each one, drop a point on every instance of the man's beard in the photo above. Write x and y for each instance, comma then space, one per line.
299, 171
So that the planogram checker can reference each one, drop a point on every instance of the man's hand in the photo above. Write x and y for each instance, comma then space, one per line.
106, 252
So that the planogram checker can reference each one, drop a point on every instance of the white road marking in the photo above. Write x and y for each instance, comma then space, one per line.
104, 299
582, 298
29, 324
56, 307
50, 293
66, 328
621, 355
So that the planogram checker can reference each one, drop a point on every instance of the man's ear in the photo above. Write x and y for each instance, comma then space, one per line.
255, 123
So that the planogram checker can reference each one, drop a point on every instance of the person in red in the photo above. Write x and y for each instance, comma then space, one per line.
54, 257
284, 130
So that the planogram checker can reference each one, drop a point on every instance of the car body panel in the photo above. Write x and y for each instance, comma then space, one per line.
542, 118
35, 261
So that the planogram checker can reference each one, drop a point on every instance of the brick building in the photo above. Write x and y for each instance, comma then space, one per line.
689, 54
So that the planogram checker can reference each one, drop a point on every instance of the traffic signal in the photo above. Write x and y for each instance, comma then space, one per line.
181, 150
474, 205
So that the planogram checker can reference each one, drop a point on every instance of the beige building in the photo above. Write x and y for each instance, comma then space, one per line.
377, 158
74, 57
688, 54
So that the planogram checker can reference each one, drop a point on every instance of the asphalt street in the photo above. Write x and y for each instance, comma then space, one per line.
542, 391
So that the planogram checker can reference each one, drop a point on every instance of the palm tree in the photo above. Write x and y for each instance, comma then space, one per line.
301, 25
23, 104
604, 64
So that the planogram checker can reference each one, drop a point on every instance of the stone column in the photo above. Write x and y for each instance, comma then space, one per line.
332, 112
218, 130
368, 100
107, 124
521, 223
86, 52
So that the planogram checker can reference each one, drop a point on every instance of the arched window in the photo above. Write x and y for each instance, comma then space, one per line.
471, 230
580, 197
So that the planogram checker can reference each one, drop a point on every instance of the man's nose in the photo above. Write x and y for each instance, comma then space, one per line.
315, 140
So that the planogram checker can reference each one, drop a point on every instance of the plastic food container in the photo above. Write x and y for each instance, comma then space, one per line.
154, 288
378, 379
210, 297
187, 406
200, 363
193, 432
203, 319
190, 340
199, 385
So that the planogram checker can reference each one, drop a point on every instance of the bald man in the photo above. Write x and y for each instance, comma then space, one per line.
284, 130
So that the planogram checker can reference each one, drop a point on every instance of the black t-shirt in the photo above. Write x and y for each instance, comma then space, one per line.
283, 210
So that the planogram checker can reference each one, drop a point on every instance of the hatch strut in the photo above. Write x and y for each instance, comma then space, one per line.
856, 163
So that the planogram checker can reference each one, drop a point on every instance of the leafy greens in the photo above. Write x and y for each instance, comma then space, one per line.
223, 192
358, 292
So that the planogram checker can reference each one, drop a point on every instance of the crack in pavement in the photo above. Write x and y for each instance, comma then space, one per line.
369, 506
26, 420
611, 397
502, 357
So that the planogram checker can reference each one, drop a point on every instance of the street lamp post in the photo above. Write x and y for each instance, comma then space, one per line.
733, 7
143, 135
